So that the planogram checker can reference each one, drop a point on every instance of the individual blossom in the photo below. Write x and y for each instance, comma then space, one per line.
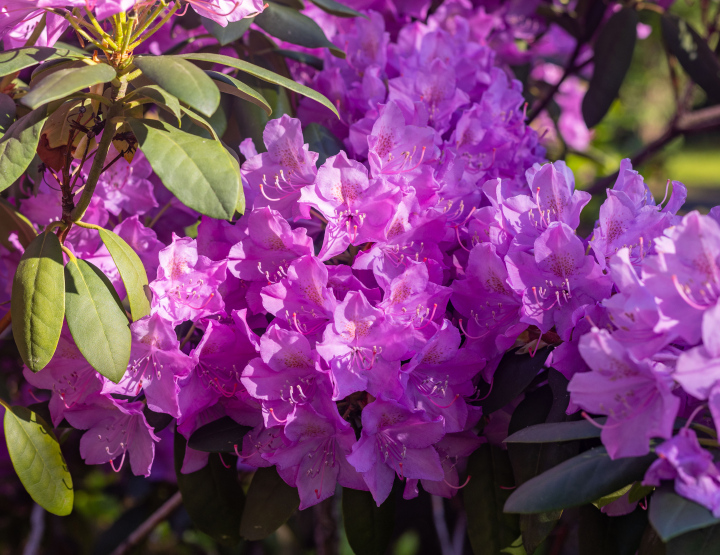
223, 12
187, 283
396, 441
125, 186
635, 395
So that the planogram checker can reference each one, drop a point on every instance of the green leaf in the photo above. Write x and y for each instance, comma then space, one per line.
699, 542
67, 81
184, 80
320, 140
7, 112
513, 375
369, 528
12, 221
264, 74
18, 146
613, 53
336, 8
291, 26
12, 61
220, 436
96, 319
38, 301
614, 496
162, 98
38, 461
489, 529
203, 128
269, 503
693, 53
230, 85
672, 515
638, 491
198, 171
212, 496
230, 33
557, 432
577, 481
302, 57
131, 271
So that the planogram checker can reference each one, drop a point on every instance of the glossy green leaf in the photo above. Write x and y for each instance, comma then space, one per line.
698, 542
38, 301
582, 479
96, 319
230, 85
291, 26
638, 491
693, 53
230, 33
268, 505
67, 81
302, 57
12, 221
557, 432
198, 171
131, 271
38, 461
162, 98
514, 374
7, 112
369, 528
672, 515
489, 529
336, 8
185, 81
613, 53
212, 496
614, 496
220, 436
264, 74
15, 60
197, 125
18, 146
320, 140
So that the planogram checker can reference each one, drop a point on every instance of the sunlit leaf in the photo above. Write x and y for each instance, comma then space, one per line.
67, 81
18, 146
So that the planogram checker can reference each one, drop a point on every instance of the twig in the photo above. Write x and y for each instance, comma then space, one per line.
37, 529
438, 509
5, 321
326, 533
569, 70
149, 525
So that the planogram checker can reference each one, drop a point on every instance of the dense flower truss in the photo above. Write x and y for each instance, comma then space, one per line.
351, 315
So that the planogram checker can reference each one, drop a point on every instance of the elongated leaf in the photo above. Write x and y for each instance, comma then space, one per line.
320, 140
12, 221
96, 319
693, 53
613, 53
198, 171
698, 542
513, 375
369, 528
38, 461
489, 529
220, 436
131, 271
230, 33
162, 98
336, 8
230, 85
18, 146
577, 481
672, 515
556, 432
269, 503
183, 80
67, 81
264, 74
302, 57
7, 113
197, 125
18, 59
38, 301
212, 496
291, 26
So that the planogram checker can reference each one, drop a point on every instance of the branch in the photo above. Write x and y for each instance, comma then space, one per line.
692, 122
149, 525
569, 70
5, 321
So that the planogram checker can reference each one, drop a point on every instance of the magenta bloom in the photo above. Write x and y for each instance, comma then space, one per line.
635, 395
396, 441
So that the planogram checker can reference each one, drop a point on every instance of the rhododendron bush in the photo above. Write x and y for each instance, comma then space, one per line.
309, 254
